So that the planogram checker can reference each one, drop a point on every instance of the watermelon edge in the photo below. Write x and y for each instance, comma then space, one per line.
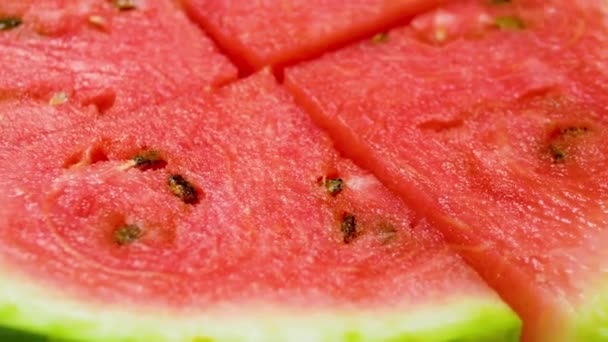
36, 310
592, 315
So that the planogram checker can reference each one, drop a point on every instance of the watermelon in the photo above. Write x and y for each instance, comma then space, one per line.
271, 32
114, 55
475, 117
189, 219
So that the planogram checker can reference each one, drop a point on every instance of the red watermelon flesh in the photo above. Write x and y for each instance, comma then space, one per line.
24, 119
272, 32
585, 54
474, 117
266, 243
99, 54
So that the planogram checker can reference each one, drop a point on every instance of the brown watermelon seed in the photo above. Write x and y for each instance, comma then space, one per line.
560, 141
9, 23
150, 159
181, 188
334, 186
499, 2
124, 5
558, 154
380, 37
348, 227
127, 234
509, 23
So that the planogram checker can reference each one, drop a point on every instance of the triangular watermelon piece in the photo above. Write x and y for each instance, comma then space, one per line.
272, 32
115, 55
475, 117
224, 217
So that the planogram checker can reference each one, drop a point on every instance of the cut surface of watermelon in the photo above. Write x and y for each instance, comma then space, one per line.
23, 119
272, 32
473, 115
105, 54
190, 219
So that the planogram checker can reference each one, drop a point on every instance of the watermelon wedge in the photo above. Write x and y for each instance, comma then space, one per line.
225, 217
473, 115
277, 33
114, 55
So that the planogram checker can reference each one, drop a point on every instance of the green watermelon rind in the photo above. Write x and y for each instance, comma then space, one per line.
592, 317
34, 309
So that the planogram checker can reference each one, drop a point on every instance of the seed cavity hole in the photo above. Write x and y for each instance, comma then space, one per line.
441, 125
90, 156
58, 99
570, 131
102, 100
98, 22
379, 38
539, 92
387, 233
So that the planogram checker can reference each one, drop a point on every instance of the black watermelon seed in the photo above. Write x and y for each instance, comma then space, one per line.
9, 23
181, 188
348, 227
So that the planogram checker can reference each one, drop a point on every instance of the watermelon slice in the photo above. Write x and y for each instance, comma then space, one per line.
190, 219
475, 118
115, 55
272, 32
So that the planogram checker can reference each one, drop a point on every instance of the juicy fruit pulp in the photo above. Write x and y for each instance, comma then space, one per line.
271, 32
484, 127
22, 119
199, 214
94, 53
